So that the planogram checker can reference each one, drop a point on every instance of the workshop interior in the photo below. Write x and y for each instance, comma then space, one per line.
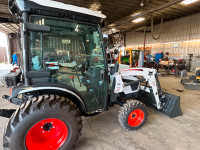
99, 74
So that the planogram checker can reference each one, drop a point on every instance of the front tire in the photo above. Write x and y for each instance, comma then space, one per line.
46, 122
132, 115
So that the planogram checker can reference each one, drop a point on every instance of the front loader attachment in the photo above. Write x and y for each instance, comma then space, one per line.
150, 91
170, 103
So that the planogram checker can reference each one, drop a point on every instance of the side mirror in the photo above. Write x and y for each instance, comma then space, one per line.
105, 40
15, 19
103, 24
105, 43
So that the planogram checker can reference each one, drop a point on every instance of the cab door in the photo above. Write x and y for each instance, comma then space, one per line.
73, 54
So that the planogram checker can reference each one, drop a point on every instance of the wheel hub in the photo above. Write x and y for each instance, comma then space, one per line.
47, 127
135, 118
48, 134
133, 115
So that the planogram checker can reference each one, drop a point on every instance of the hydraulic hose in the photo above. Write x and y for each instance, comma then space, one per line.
160, 30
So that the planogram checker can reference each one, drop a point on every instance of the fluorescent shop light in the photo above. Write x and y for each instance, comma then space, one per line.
192, 41
171, 42
152, 44
186, 2
197, 40
138, 20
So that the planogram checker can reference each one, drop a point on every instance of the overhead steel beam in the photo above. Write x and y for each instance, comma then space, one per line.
7, 27
4, 31
13, 26
156, 9
149, 12
5, 20
5, 15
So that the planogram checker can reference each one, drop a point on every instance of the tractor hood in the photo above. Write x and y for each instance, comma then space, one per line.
54, 9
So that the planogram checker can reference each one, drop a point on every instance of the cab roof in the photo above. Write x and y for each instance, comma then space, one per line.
60, 5
55, 9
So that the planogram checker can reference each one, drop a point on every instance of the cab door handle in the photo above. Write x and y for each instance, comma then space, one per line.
102, 75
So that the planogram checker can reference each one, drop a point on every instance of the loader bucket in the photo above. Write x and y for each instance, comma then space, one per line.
171, 103
171, 107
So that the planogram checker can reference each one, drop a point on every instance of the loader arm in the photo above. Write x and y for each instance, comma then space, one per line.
149, 75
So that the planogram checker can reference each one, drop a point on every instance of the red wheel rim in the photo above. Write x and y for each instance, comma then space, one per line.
47, 134
135, 118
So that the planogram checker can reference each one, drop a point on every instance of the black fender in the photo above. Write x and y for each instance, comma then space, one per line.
49, 88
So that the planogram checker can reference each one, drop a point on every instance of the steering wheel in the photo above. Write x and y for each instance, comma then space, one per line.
79, 67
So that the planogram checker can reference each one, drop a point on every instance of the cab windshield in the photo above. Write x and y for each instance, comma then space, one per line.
68, 42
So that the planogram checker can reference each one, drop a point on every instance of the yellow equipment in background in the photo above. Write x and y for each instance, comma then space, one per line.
197, 73
130, 57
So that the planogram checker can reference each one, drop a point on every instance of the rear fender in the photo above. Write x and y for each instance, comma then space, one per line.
36, 91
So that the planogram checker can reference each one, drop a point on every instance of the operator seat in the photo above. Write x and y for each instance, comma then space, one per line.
114, 69
131, 81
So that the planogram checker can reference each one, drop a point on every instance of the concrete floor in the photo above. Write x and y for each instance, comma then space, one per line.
103, 132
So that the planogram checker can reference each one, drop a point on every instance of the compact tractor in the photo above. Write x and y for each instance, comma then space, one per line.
65, 75
131, 59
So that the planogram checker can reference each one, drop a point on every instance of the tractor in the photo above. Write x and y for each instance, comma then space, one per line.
130, 58
65, 75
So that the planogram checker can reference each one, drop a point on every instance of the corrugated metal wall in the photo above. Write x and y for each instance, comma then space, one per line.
14, 46
3, 54
179, 30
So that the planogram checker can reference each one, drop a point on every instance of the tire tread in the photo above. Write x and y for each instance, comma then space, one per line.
125, 111
37, 104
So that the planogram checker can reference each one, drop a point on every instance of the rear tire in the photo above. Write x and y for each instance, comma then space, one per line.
46, 122
132, 115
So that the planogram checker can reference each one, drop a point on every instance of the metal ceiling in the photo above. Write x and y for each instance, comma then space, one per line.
5, 25
119, 12
8, 27
155, 10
